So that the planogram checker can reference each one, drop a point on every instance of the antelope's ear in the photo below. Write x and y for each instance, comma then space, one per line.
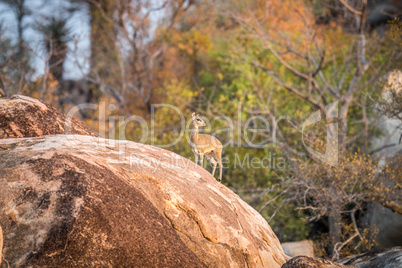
193, 114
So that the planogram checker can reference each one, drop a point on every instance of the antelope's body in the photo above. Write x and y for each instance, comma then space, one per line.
205, 145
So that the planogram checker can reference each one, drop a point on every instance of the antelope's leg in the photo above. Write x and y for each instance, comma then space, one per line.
218, 155
211, 158
213, 161
202, 159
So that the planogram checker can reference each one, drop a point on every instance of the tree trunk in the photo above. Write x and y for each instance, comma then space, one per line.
334, 218
104, 49
334, 226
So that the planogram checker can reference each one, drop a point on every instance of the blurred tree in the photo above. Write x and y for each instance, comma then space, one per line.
20, 10
56, 37
55, 42
15, 70
143, 46
105, 55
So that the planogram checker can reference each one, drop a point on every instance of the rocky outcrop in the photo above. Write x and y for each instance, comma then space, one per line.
83, 201
309, 262
300, 248
22, 116
387, 258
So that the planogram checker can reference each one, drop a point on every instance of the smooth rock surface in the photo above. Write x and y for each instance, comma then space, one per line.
300, 248
82, 201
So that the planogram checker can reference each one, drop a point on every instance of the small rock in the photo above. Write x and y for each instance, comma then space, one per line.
301, 248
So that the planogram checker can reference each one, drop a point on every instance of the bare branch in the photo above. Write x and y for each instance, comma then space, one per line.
351, 9
382, 148
290, 88
339, 246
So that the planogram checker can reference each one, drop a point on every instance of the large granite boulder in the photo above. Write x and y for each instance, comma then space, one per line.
84, 201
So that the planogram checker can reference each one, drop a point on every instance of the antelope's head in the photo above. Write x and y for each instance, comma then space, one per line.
197, 121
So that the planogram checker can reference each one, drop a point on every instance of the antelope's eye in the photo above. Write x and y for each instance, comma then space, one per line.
199, 120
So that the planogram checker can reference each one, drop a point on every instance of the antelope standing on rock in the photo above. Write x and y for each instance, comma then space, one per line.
205, 145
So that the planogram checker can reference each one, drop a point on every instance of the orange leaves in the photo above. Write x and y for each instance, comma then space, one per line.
191, 42
289, 23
